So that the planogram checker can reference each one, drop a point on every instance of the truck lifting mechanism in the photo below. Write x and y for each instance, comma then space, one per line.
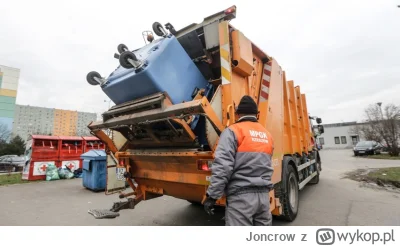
173, 98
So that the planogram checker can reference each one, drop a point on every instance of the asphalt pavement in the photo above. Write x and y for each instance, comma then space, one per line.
333, 202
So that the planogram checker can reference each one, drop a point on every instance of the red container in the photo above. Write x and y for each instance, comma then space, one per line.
92, 143
41, 150
71, 149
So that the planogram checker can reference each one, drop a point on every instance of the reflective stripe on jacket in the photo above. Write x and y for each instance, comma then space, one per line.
242, 160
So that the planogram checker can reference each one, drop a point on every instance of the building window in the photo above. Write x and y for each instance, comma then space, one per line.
354, 139
344, 140
337, 141
321, 141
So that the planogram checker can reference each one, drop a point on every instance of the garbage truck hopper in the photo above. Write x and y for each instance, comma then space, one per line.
162, 133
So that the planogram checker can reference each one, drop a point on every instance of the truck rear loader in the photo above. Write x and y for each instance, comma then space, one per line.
175, 95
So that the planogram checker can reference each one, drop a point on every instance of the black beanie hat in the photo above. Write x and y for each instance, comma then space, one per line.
247, 106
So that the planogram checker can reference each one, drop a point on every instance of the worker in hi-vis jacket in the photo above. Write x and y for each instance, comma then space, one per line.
242, 170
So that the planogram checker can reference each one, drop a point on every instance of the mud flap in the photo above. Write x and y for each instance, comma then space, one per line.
116, 182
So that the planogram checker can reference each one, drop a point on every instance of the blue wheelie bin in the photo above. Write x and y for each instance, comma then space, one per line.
94, 171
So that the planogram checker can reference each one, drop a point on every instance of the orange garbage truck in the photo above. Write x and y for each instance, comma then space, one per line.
176, 94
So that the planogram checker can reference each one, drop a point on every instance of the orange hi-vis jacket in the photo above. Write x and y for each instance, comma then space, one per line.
242, 160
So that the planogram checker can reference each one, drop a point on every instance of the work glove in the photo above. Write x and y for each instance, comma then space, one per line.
209, 205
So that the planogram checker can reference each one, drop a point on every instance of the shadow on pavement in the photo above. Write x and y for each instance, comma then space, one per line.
194, 215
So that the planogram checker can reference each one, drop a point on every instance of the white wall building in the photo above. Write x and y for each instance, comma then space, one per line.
339, 136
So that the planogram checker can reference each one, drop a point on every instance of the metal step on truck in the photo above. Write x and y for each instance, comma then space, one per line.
176, 94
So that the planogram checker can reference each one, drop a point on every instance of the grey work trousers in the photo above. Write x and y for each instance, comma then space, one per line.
248, 209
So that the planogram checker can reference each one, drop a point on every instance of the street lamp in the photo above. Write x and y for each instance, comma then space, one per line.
380, 108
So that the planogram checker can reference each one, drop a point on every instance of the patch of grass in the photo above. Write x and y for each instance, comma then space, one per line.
390, 174
380, 176
357, 175
383, 157
15, 178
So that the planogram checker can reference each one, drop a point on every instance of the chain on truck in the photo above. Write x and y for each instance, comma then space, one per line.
173, 98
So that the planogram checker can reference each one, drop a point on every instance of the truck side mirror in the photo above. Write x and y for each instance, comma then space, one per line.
319, 120
321, 129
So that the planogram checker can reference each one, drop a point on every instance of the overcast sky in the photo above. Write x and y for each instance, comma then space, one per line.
343, 54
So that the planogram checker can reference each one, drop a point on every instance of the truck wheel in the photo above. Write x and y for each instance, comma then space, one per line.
158, 29
315, 180
122, 48
123, 59
290, 202
90, 78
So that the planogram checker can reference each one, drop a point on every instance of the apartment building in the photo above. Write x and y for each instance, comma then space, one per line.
49, 121
9, 79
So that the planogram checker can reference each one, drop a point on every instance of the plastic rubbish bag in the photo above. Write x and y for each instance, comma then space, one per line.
78, 173
64, 173
61, 173
52, 172
69, 175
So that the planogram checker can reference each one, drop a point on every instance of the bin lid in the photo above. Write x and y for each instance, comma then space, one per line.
94, 155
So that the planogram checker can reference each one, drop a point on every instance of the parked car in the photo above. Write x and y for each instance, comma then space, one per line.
367, 148
12, 164
7, 156
384, 147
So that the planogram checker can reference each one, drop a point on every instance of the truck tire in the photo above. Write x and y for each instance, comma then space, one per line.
315, 180
290, 198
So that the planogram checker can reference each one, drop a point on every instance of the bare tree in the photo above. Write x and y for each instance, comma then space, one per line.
391, 125
382, 126
366, 131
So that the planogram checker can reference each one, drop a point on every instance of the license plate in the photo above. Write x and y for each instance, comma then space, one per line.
362, 151
120, 173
